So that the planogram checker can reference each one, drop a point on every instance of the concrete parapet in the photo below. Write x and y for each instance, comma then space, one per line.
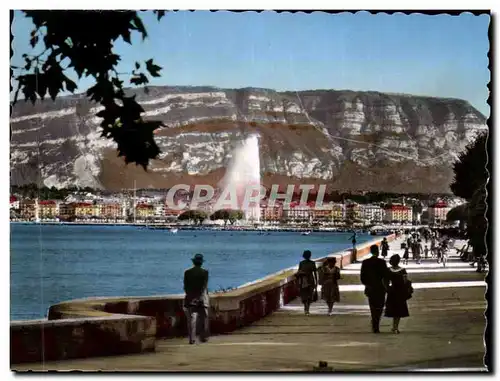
45, 340
109, 326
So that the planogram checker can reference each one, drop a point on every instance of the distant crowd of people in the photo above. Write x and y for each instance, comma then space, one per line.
439, 247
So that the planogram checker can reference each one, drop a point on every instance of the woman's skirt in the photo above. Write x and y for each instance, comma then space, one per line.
396, 306
306, 294
330, 292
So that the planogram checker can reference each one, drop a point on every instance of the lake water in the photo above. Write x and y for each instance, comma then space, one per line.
54, 263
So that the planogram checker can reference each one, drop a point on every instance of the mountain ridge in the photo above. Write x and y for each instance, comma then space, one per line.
322, 136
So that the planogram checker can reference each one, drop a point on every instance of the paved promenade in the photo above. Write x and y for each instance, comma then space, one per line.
445, 330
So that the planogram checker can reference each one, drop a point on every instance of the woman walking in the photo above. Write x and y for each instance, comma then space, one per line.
307, 276
398, 293
418, 251
385, 247
444, 253
406, 255
330, 287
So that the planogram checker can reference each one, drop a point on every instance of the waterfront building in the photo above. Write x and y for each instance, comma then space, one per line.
323, 213
354, 211
417, 217
297, 212
85, 210
66, 211
371, 212
338, 212
144, 211
438, 212
111, 210
159, 210
398, 213
271, 213
14, 203
48, 210
28, 209
126, 207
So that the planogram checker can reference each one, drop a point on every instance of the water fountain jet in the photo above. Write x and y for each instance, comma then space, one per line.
243, 173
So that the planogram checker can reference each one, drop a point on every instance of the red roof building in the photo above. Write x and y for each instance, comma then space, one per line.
399, 213
397, 207
82, 204
438, 212
439, 204
47, 203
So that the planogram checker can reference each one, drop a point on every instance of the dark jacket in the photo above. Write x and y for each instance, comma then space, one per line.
195, 285
374, 275
385, 246
305, 274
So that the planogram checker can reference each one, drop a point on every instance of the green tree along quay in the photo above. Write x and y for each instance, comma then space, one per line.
198, 216
222, 214
84, 42
228, 215
471, 177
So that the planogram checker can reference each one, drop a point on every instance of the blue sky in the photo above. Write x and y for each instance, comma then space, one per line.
417, 54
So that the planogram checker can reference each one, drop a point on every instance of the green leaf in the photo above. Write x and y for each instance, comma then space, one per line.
139, 80
152, 68
138, 25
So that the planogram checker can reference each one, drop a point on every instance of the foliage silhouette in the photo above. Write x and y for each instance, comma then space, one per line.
471, 177
458, 213
470, 169
477, 225
84, 41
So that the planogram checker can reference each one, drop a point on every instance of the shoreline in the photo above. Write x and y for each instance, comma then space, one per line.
380, 228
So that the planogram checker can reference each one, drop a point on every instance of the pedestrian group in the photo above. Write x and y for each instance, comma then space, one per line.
385, 287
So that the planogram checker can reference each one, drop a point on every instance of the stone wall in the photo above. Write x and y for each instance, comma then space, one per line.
42, 340
103, 326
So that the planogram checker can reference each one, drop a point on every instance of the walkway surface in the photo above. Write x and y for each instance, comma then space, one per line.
445, 332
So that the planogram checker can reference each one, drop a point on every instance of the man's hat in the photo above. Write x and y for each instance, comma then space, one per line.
198, 258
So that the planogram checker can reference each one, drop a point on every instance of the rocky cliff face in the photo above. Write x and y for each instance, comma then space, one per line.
349, 140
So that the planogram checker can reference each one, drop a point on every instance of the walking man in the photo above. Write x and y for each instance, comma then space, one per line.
374, 275
196, 301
